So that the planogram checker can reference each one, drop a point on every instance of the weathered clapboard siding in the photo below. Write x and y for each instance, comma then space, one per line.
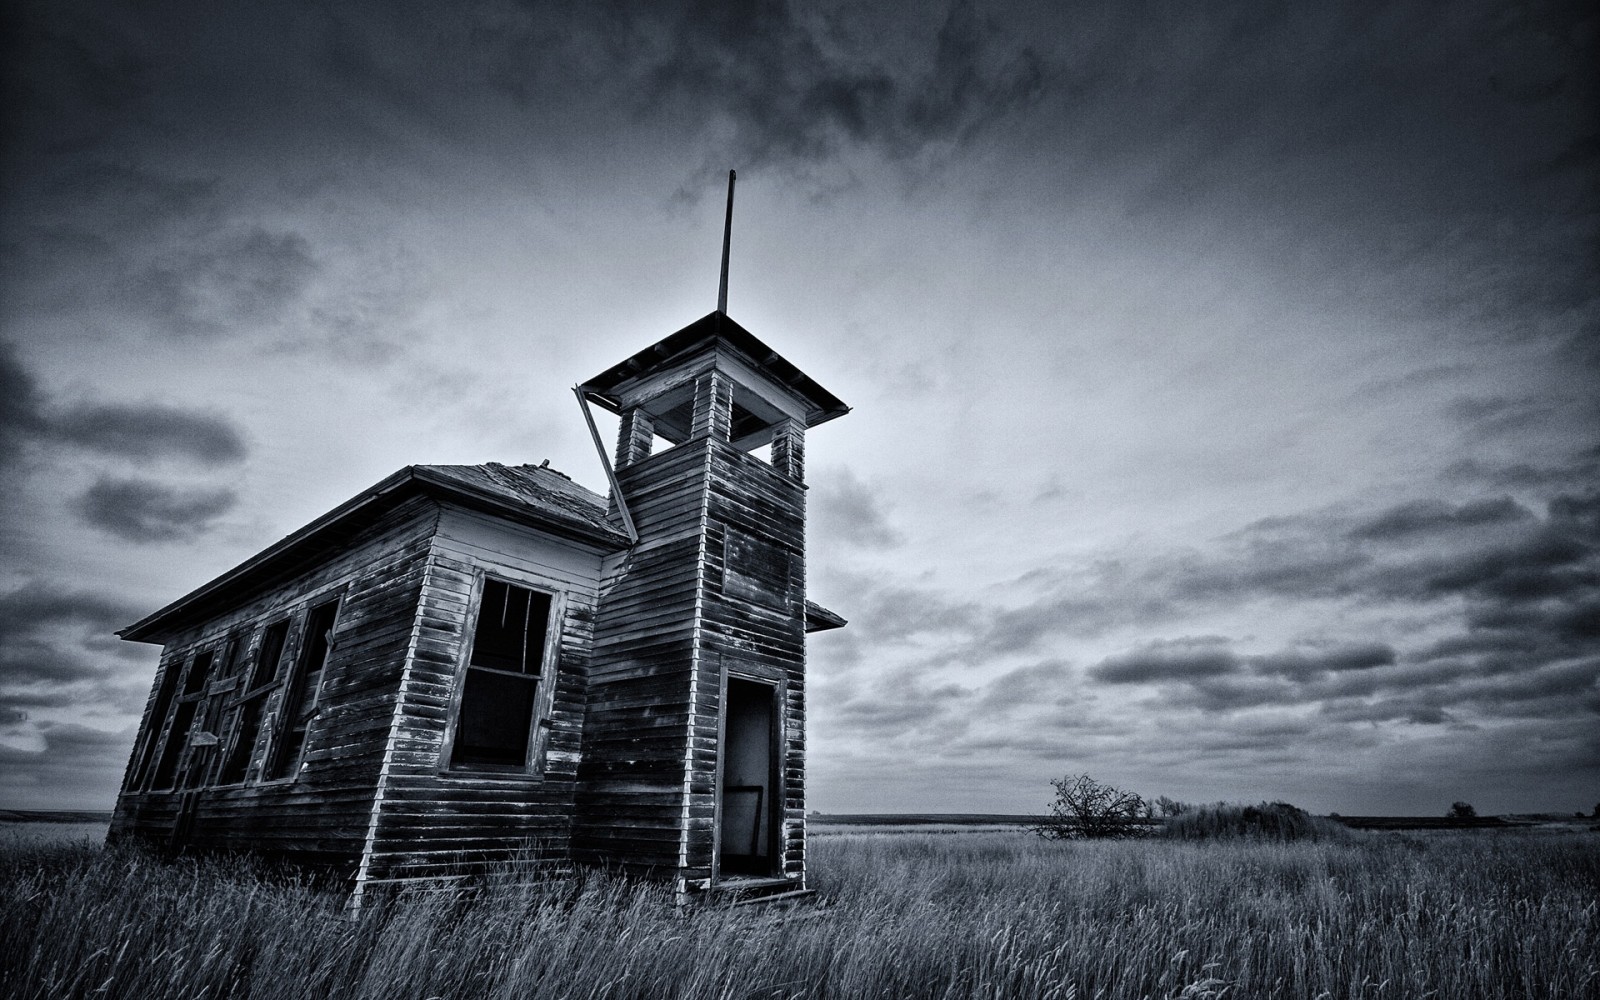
430, 817
668, 633
758, 629
319, 812
640, 701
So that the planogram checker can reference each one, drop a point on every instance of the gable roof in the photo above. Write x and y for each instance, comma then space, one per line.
536, 496
550, 498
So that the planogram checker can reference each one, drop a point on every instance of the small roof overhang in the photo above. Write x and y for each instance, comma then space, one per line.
820, 619
696, 337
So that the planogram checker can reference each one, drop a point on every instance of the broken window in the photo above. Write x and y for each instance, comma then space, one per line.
194, 684
500, 689
158, 719
252, 703
300, 701
210, 722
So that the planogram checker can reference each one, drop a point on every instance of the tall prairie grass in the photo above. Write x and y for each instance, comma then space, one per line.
981, 915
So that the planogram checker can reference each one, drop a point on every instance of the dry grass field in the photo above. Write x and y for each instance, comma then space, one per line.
945, 914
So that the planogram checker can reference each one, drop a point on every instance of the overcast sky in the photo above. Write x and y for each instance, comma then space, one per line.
1224, 375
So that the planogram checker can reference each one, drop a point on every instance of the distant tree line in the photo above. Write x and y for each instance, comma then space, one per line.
1086, 809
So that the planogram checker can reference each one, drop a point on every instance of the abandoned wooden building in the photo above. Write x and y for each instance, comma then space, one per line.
465, 663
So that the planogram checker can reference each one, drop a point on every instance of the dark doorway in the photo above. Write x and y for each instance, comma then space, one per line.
750, 793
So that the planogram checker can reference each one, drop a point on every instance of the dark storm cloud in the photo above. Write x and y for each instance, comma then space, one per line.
1307, 664
139, 510
1523, 591
846, 510
78, 767
150, 431
233, 278
36, 606
1495, 549
21, 405
58, 650
1583, 471
137, 431
1424, 516
795, 85
904, 702
1431, 183
896, 703
1169, 660
1204, 661
157, 250
1362, 683
1515, 593
48, 662
774, 83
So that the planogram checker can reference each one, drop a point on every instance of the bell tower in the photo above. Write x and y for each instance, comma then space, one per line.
694, 742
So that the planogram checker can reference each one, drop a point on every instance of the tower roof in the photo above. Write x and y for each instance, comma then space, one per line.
704, 333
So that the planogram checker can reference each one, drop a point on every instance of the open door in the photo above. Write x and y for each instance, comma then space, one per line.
751, 799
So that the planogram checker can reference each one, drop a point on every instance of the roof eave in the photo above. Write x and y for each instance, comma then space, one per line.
156, 626
825, 406
148, 628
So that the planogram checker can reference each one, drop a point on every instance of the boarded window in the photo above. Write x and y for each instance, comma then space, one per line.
755, 569
300, 701
500, 691
253, 704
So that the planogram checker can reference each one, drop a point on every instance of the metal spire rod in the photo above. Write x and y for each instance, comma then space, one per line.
727, 238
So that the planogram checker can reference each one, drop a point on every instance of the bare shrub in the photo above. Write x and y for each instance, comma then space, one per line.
1271, 821
1086, 809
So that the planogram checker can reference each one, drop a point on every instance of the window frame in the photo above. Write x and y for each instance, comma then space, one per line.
258, 695
539, 723
215, 714
278, 709
190, 697
165, 693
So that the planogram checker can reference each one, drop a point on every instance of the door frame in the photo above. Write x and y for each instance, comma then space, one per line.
773, 678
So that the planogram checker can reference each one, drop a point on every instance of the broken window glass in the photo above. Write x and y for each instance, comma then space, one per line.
494, 725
